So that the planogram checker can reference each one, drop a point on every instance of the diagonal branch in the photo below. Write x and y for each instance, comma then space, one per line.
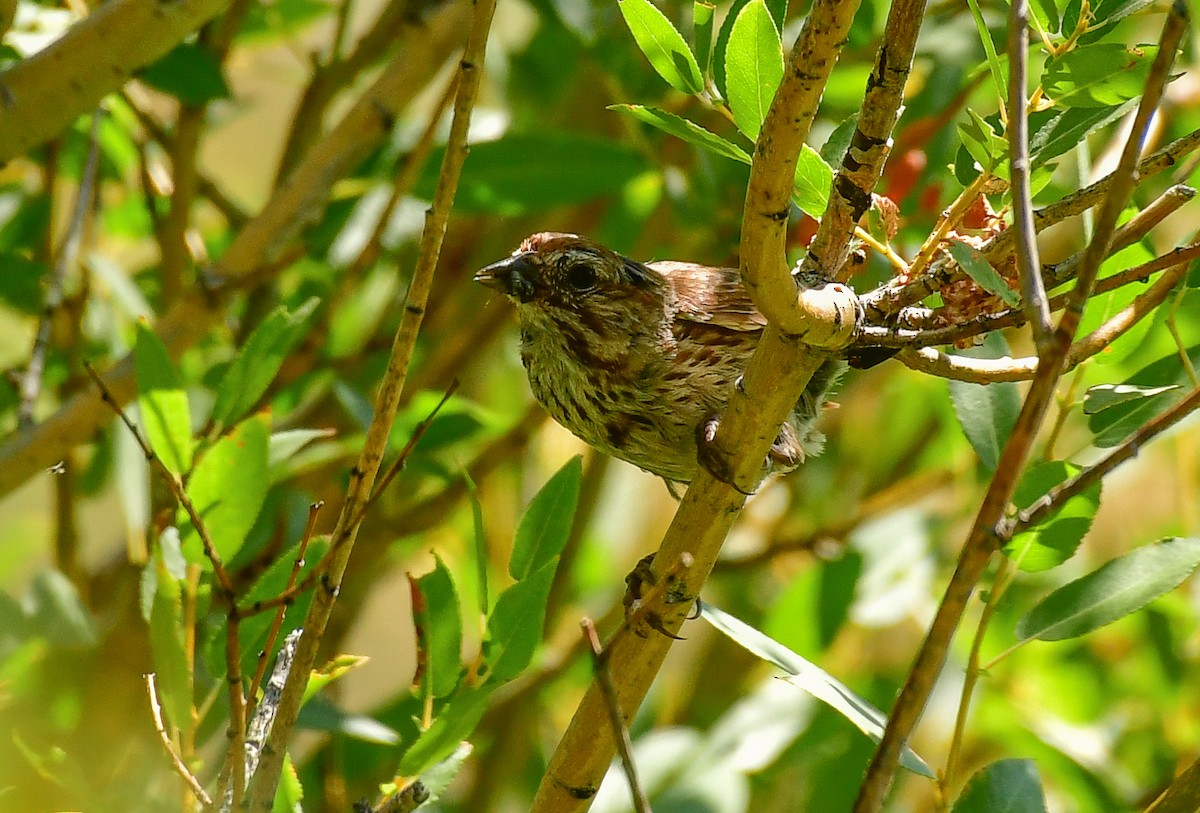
750, 423
93, 59
262, 242
982, 538
362, 476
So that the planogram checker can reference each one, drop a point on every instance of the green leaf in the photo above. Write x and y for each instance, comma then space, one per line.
454, 723
1118, 588
227, 489
254, 629
663, 45
515, 625
1057, 131
57, 613
1006, 786
438, 778
979, 269
1167, 374
702, 26
987, 412
259, 360
988, 149
438, 622
1104, 396
1055, 540
167, 647
753, 66
1098, 75
189, 73
479, 547
162, 402
285, 444
812, 679
21, 283
535, 172
684, 129
546, 523
813, 180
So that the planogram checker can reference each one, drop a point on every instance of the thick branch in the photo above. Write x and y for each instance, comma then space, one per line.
749, 425
43, 94
262, 241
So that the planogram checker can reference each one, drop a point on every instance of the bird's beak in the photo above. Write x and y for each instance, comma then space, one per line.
512, 276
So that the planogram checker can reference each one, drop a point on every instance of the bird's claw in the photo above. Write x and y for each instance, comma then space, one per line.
715, 461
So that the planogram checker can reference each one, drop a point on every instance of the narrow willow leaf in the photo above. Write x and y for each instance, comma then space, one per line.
753, 66
987, 412
987, 148
979, 269
546, 523
515, 624
1116, 589
1055, 540
162, 402
663, 45
167, 648
684, 129
1103, 396
259, 360
454, 723
812, 679
227, 488
1006, 786
1098, 75
702, 26
438, 621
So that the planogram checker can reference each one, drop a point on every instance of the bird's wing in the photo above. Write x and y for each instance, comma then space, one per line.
713, 296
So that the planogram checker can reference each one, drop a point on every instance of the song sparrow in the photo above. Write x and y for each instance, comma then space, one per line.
638, 359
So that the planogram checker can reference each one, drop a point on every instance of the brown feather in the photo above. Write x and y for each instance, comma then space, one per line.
709, 295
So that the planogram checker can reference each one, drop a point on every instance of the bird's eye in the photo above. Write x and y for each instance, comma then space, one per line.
581, 277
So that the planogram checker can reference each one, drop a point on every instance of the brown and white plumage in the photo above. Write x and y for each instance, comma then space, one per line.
636, 358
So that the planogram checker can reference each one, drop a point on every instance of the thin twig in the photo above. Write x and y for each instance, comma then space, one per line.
620, 730
221, 575
982, 539
1129, 448
362, 476
1029, 266
277, 622
990, 371
64, 260
177, 762
903, 337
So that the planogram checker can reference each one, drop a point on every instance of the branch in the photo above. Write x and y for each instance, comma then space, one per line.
862, 164
362, 476
263, 240
982, 538
94, 58
1029, 267
177, 762
750, 423
1129, 448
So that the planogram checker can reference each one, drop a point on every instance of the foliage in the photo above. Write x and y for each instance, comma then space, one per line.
235, 268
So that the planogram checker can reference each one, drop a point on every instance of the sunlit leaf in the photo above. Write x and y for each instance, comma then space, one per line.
1098, 75
1006, 786
753, 66
663, 45
1118, 588
812, 679
547, 521
162, 402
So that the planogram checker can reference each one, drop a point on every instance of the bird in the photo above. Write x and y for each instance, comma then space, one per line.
637, 359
